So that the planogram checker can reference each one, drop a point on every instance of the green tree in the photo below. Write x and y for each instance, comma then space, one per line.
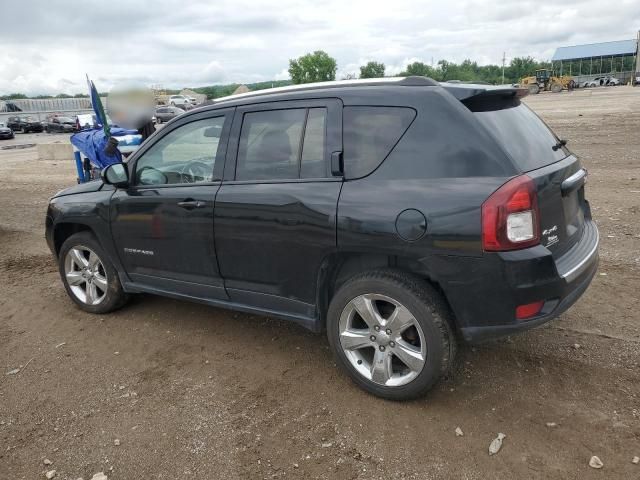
418, 68
372, 70
14, 96
520, 67
313, 67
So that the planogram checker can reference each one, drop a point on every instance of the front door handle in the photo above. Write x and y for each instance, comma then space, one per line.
191, 204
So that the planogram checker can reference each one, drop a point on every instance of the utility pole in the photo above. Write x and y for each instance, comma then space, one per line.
637, 58
504, 59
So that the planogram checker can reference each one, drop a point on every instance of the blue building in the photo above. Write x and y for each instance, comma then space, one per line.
583, 62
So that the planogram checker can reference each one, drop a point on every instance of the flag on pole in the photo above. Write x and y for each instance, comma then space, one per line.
96, 103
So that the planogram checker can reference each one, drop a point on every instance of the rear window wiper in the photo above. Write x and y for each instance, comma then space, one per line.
559, 145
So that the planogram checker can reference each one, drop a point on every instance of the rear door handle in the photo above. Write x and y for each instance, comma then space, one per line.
191, 204
574, 182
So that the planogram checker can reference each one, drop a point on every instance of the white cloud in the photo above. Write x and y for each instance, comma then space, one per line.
48, 49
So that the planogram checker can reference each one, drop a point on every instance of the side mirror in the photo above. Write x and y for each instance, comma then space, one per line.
115, 174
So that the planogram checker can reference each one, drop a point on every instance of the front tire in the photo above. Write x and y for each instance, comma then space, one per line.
89, 278
533, 88
390, 332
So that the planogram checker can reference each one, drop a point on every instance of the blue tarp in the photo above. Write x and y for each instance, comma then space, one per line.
92, 142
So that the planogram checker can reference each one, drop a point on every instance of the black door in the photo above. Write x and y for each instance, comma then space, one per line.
275, 214
163, 224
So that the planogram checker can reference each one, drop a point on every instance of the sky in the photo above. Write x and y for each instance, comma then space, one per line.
47, 46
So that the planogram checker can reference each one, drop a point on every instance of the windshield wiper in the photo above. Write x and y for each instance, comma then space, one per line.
559, 145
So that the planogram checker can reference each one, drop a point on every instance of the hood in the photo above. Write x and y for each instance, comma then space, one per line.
88, 187
5, 129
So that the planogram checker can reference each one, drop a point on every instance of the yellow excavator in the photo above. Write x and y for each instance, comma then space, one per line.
547, 80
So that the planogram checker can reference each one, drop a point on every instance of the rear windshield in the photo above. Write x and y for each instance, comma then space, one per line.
525, 138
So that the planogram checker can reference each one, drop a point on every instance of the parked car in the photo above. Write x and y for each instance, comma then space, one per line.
24, 124
5, 132
612, 81
60, 124
608, 81
394, 214
85, 121
178, 100
164, 114
192, 101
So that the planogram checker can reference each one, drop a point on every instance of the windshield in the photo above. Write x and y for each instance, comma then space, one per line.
520, 132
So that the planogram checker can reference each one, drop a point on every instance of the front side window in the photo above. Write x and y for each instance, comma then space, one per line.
185, 155
282, 144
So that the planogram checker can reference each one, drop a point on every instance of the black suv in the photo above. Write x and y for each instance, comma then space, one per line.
395, 214
60, 124
24, 124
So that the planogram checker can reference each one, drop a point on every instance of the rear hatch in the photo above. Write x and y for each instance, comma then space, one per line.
538, 152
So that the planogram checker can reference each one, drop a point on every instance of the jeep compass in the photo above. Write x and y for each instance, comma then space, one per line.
398, 215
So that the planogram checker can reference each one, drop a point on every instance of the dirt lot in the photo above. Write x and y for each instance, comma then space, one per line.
196, 392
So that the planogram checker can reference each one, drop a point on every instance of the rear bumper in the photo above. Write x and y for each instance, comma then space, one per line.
485, 302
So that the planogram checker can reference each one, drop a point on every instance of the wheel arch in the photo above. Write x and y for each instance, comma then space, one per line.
337, 268
63, 230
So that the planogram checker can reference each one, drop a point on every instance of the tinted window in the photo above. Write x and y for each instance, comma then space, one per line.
185, 155
370, 133
525, 138
269, 145
313, 162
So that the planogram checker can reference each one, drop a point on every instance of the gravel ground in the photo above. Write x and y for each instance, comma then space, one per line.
191, 391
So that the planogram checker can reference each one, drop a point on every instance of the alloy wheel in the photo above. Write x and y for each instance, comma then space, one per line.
382, 340
85, 275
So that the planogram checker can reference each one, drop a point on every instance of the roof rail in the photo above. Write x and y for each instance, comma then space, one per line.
412, 81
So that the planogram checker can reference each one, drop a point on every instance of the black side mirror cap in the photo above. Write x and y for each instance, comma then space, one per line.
115, 174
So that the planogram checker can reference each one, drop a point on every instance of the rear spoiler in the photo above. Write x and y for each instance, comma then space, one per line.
466, 91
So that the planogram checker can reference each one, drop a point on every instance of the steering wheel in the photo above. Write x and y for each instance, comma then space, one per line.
195, 170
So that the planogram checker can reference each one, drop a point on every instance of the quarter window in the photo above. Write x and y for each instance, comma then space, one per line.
370, 133
185, 155
282, 144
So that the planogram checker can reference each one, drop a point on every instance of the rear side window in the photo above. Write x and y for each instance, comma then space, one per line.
369, 135
519, 131
282, 144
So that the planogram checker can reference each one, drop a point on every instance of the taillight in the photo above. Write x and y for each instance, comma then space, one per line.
510, 216
529, 310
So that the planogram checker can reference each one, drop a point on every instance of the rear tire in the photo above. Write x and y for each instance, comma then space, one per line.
556, 88
404, 346
89, 277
